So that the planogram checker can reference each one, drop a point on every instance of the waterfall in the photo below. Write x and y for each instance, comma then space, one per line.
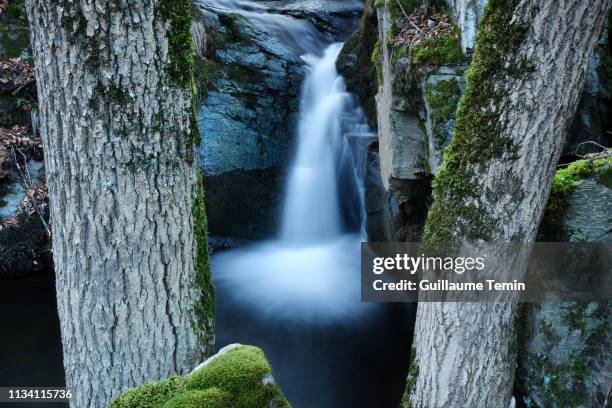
311, 210
311, 272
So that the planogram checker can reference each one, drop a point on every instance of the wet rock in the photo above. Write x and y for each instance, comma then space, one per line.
336, 18
24, 247
245, 203
247, 117
355, 62
397, 213
592, 122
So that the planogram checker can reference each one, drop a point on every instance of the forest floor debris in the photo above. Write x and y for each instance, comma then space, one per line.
420, 26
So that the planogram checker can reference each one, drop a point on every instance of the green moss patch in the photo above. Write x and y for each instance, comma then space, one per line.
442, 98
14, 31
377, 61
566, 179
239, 378
150, 395
210, 398
444, 50
242, 373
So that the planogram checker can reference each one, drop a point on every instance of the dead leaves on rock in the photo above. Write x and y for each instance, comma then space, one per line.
15, 74
422, 26
19, 137
36, 198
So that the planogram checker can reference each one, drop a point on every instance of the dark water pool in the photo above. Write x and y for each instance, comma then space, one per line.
348, 366
30, 344
327, 366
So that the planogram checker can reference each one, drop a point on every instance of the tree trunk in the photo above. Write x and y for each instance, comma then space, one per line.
115, 102
526, 77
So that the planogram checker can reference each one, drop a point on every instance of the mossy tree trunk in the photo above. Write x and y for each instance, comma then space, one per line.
129, 237
523, 87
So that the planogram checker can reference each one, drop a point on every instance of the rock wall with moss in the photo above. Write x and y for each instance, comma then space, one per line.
565, 359
417, 88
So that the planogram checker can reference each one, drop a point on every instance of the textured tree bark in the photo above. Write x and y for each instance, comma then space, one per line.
523, 87
115, 98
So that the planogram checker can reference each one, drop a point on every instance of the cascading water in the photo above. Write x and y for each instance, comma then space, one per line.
311, 211
297, 296
312, 271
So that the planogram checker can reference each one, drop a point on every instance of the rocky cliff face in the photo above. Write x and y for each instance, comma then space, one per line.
418, 87
565, 359
250, 85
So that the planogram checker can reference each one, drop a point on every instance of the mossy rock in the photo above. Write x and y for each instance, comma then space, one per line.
150, 395
565, 181
244, 373
210, 398
238, 377
443, 50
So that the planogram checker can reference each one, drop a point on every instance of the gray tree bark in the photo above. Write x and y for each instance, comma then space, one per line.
115, 103
523, 87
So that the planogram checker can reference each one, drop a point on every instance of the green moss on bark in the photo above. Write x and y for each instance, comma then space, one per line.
205, 308
413, 374
377, 61
479, 128
180, 67
178, 14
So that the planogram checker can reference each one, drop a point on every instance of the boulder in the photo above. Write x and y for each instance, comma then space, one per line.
237, 376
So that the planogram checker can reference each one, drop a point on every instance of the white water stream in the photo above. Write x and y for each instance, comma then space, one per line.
311, 272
